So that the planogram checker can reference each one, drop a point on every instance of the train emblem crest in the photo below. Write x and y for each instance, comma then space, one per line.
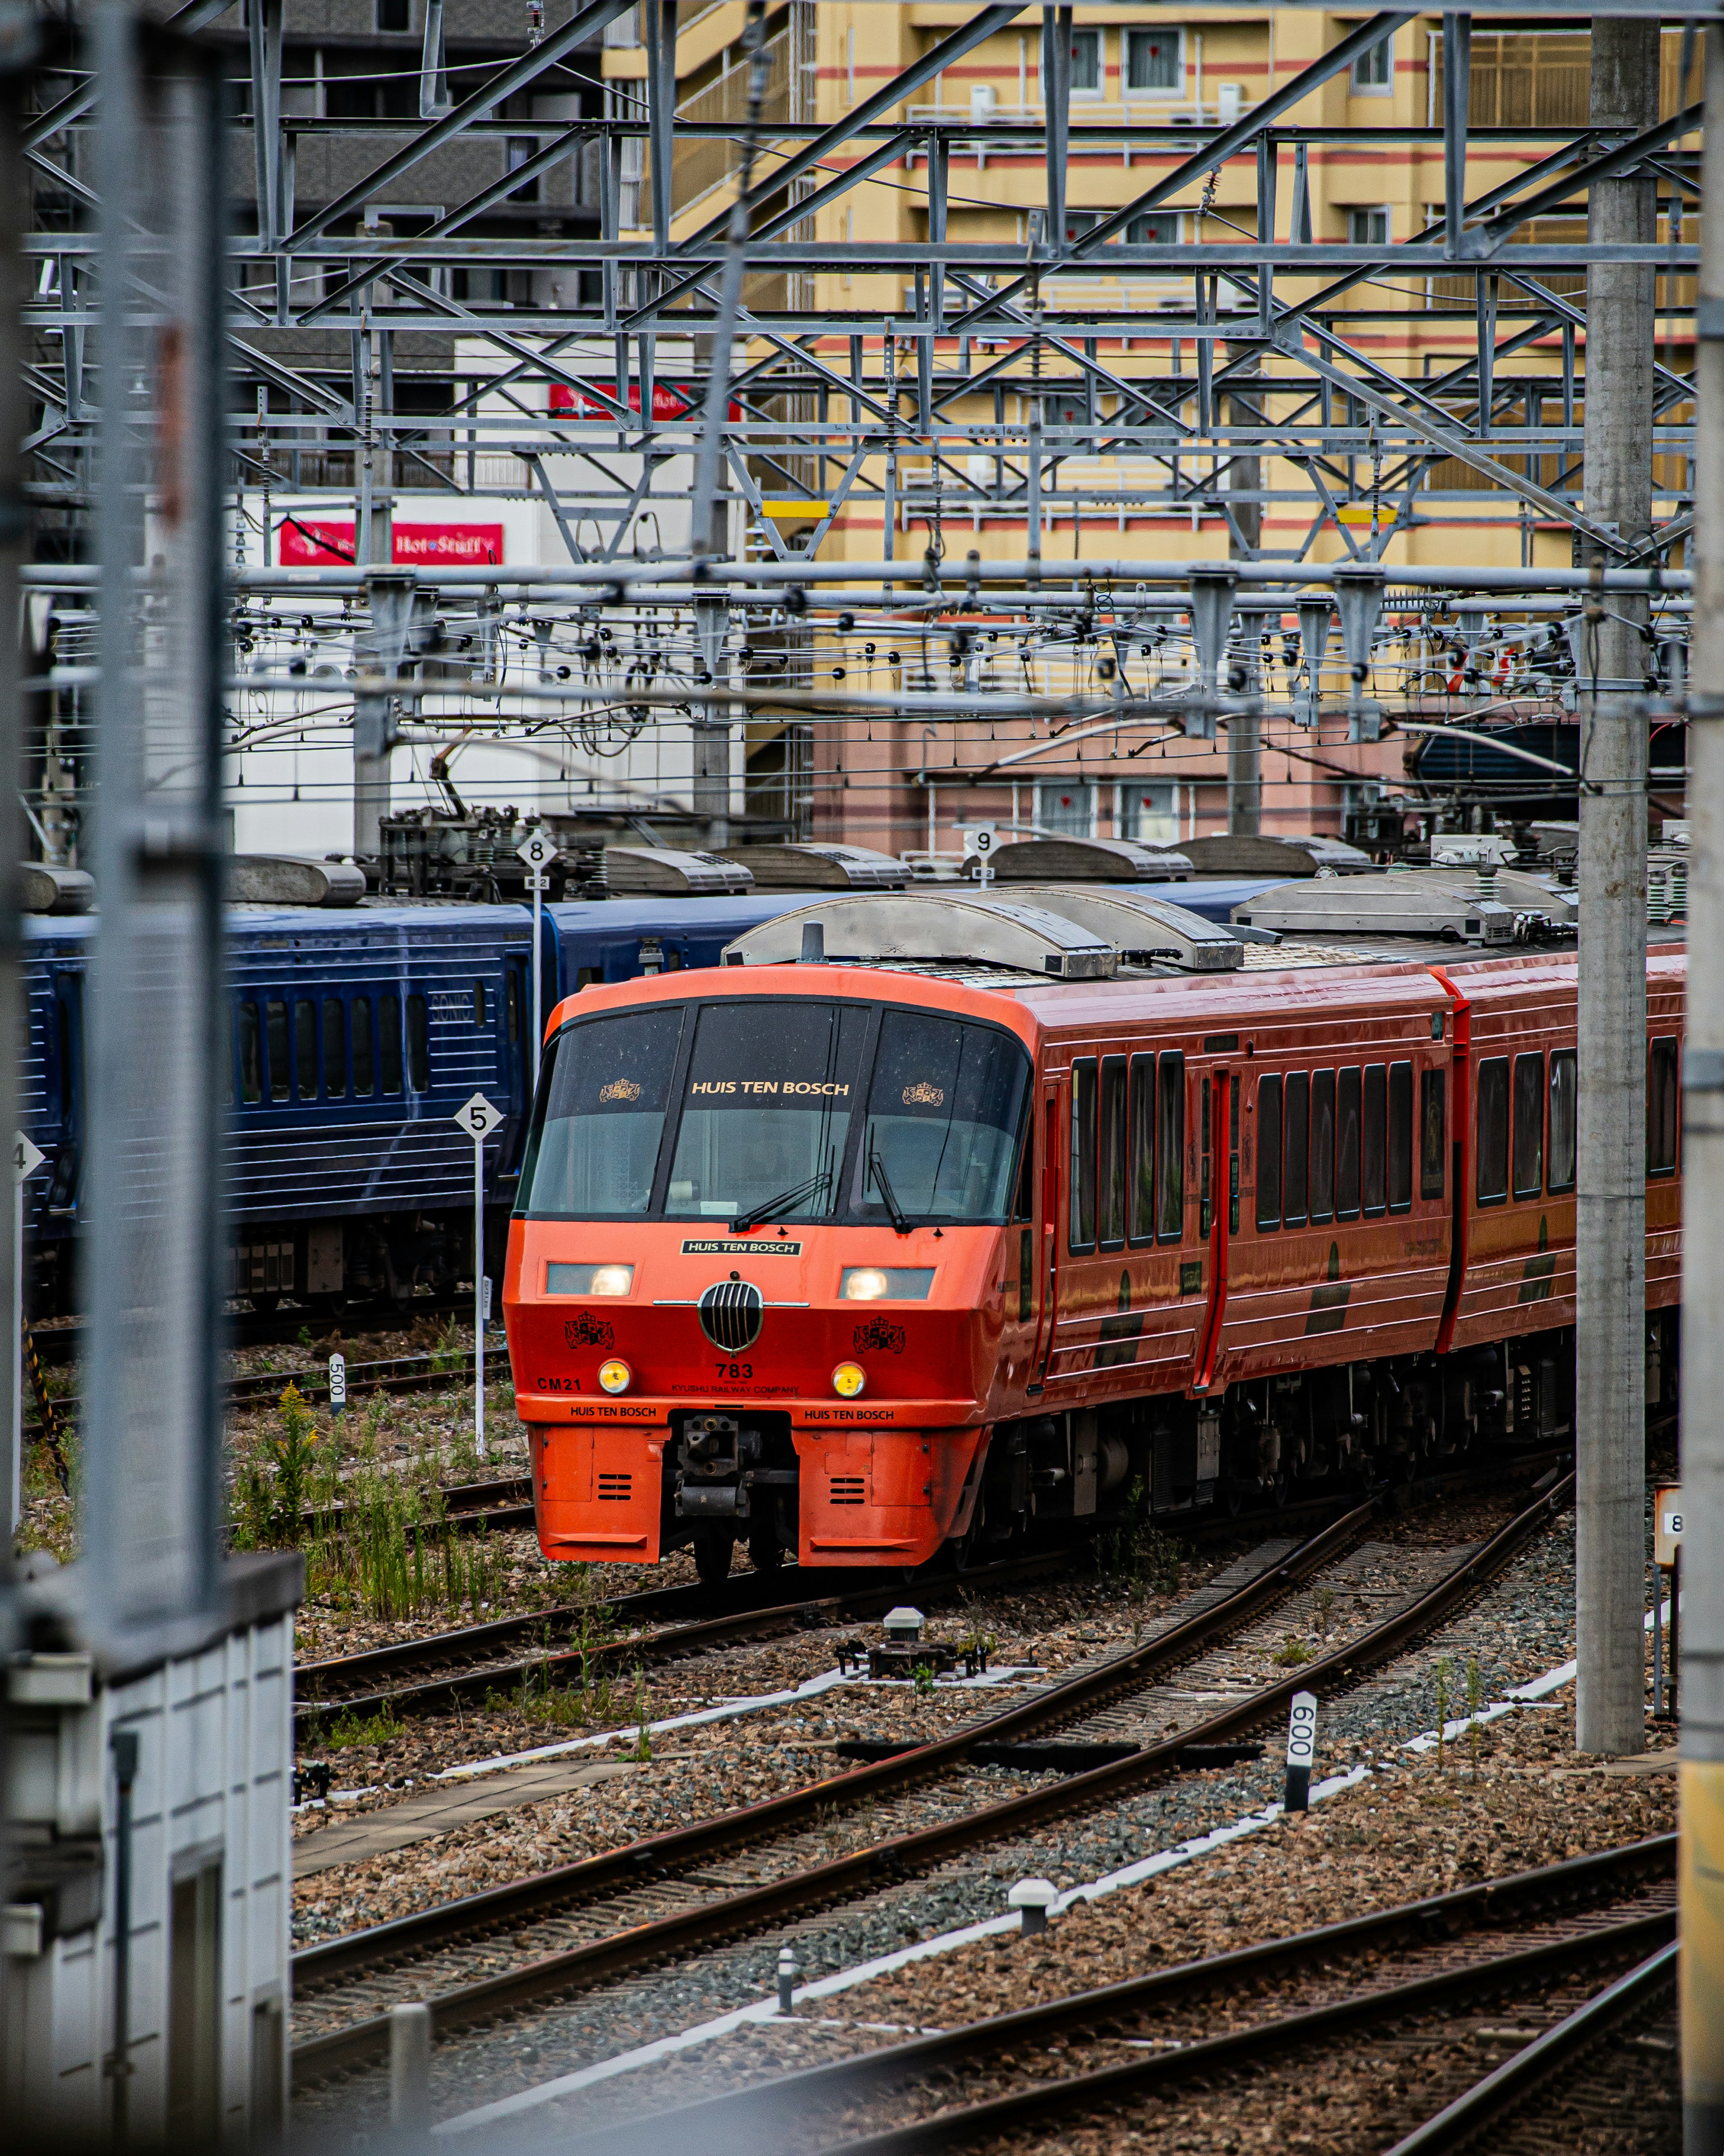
922, 1095
880, 1335
584, 1330
619, 1089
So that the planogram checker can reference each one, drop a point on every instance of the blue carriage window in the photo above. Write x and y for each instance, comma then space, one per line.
276, 1037
419, 1046
364, 1072
335, 1049
479, 1003
305, 1047
511, 992
251, 1054
389, 1042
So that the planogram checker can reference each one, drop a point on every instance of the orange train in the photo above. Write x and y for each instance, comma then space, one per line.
861, 1259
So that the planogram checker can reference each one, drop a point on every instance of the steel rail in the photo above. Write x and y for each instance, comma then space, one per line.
707, 1628
1504, 2090
1317, 2025
898, 1858
1573, 1883
528, 1899
473, 1505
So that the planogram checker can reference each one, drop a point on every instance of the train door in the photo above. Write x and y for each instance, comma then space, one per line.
1047, 1284
1218, 1202
517, 1026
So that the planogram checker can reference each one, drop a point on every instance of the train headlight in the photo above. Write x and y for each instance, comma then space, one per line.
614, 1376
588, 1280
895, 1283
848, 1380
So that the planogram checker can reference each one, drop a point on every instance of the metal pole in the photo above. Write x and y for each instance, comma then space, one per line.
538, 975
17, 1334
125, 1746
479, 1293
1610, 1406
1702, 1846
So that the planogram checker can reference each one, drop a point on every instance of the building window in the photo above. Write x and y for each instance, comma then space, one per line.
522, 149
1368, 227
395, 14
1066, 810
1155, 62
1149, 814
1374, 71
1155, 228
1087, 62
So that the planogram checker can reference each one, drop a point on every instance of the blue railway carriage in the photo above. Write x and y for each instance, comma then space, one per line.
353, 1038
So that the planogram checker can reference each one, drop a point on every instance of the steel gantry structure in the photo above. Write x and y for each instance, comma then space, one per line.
801, 281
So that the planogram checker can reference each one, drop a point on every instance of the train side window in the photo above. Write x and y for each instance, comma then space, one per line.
1024, 1204
1400, 1137
1493, 1130
335, 1049
1142, 1222
389, 1042
251, 1053
511, 1006
1529, 1126
1112, 1222
1563, 1123
1433, 1134
1080, 1203
1269, 1152
1322, 1146
1661, 1100
479, 1003
1170, 1152
419, 1046
364, 1076
1373, 1135
276, 1040
1346, 1145
1296, 1176
304, 1048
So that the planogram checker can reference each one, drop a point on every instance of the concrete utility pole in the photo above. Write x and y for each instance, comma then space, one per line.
389, 595
1610, 1258
1244, 729
1702, 1850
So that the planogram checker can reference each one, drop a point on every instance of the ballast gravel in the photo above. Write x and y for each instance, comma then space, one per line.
1519, 1628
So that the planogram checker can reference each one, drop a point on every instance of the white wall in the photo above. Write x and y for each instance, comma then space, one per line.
215, 1762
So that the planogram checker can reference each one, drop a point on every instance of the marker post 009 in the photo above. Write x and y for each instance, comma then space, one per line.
1301, 1751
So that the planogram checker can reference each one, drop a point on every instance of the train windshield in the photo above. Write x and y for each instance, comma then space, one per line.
945, 1103
603, 1115
752, 1111
767, 1101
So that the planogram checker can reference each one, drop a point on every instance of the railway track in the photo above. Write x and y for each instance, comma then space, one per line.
1525, 1938
1599, 2071
427, 1676
629, 1909
426, 1370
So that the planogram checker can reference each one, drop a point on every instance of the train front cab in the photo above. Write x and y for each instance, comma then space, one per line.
765, 1278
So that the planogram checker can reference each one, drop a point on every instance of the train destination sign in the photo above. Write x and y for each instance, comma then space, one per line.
738, 1246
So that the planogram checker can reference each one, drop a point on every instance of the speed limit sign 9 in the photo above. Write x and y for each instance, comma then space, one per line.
980, 840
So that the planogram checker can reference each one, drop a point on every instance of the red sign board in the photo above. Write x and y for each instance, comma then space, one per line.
315, 542
668, 403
